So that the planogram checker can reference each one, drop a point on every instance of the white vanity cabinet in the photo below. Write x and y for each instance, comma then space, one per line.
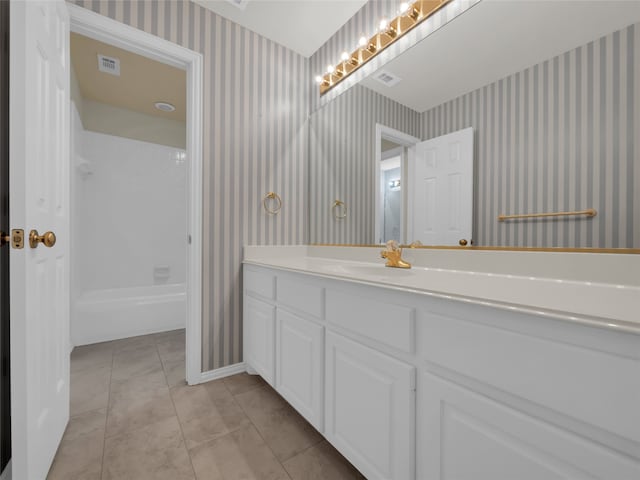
300, 365
370, 400
259, 337
409, 385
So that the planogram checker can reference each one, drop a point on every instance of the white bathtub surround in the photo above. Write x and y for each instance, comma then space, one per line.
413, 374
596, 289
111, 314
129, 238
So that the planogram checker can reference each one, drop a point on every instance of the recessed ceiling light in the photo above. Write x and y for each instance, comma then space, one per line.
165, 107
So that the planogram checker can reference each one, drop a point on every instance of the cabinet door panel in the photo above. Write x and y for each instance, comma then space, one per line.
464, 435
259, 337
370, 409
300, 365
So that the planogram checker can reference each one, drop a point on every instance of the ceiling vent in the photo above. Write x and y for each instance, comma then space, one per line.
241, 4
387, 78
109, 65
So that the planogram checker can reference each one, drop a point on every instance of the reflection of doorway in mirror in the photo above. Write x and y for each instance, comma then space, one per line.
391, 198
440, 184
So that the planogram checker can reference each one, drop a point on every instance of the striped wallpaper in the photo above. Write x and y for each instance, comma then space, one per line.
558, 136
342, 162
255, 111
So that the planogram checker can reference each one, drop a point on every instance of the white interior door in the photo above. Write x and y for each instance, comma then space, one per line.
441, 189
39, 199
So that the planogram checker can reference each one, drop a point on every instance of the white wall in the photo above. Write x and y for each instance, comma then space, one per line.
130, 213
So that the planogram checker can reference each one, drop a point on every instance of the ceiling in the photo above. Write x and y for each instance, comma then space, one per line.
300, 25
494, 39
142, 81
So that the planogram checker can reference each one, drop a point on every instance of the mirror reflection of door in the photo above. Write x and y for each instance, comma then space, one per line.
440, 182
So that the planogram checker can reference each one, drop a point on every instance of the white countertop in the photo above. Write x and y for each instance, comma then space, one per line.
599, 303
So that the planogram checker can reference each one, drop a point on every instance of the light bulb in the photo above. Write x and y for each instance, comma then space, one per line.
384, 23
362, 41
318, 79
404, 7
330, 69
344, 56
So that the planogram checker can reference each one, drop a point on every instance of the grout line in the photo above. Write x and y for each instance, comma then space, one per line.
260, 433
184, 439
106, 417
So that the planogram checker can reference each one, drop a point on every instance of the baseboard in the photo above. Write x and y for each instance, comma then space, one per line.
222, 372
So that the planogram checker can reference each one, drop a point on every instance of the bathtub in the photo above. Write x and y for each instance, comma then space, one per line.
110, 314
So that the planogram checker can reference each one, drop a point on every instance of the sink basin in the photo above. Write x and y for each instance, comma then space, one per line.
379, 271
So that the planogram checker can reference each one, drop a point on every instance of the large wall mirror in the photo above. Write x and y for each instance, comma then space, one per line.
513, 107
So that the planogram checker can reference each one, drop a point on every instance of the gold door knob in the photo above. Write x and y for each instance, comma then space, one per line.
463, 242
48, 239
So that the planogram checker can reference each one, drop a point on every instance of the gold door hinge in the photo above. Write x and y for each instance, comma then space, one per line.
16, 238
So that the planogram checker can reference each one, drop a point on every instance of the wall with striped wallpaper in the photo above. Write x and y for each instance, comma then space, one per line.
561, 135
255, 110
342, 162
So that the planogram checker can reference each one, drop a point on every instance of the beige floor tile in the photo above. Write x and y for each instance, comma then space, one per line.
171, 346
136, 362
89, 388
207, 412
239, 455
91, 356
138, 402
243, 382
283, 429
169, 335
154, 452
321, 462
174, 369
79, 455
133, 343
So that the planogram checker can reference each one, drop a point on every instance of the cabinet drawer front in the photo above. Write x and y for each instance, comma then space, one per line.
260, 283
389, 324
370, 409
572, 380
259, 337
295, 293
300, 365
462, 434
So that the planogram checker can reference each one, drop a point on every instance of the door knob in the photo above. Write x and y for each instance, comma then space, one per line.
48, 239
463, 242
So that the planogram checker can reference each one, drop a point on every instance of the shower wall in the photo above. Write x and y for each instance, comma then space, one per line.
129, 236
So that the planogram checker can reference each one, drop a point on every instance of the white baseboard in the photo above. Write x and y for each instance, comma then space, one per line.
222, 372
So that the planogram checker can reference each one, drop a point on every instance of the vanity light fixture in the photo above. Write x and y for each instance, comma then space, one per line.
411, 15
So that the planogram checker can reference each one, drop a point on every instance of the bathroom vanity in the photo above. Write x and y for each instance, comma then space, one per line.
462, 373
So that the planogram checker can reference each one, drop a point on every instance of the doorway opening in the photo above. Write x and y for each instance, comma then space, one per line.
392, 156
136, 208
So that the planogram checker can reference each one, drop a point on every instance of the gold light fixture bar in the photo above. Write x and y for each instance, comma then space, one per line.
414, 15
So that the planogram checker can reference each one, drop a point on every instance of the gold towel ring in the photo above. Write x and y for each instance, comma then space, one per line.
272, 196
336, 204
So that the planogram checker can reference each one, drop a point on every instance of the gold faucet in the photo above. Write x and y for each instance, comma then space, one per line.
393, 254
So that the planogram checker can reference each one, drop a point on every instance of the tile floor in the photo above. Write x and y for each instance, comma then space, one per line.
134, 417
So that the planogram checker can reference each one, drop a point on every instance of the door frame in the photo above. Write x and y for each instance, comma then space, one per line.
107, 30
406, 140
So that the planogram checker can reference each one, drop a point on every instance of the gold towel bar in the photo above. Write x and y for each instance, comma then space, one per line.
590, 212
